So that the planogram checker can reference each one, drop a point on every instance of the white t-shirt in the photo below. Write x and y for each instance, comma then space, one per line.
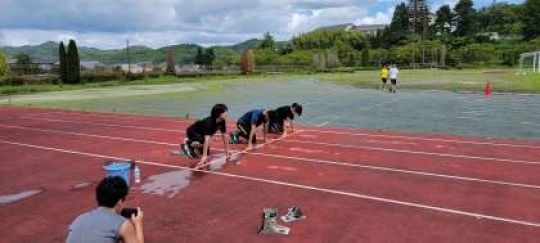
393, 72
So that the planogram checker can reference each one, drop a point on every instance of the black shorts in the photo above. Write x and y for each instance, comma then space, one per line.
384, 80
275, 125
244, 130
394, 81
194, 137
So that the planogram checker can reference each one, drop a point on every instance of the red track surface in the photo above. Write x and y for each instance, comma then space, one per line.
355, 185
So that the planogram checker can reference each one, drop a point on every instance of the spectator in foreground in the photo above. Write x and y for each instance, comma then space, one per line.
104, 223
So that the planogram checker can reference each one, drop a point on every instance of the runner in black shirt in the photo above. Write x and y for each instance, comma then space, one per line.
283, 114
199, 133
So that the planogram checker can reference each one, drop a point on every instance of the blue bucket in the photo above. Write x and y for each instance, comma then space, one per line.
121, 169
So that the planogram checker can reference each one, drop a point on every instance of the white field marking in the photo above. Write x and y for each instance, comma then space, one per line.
300, 186
102, 124
416, 152
304, 130
473, 112
89, 135
245, 151
331, 144
110, 124
119, 115
381, 168
324, 123
467, 117
422, 139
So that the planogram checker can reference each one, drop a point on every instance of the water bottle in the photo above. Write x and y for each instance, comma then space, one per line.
137, 174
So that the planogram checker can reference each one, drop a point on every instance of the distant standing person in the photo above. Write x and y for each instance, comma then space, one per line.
393, 77
384, 75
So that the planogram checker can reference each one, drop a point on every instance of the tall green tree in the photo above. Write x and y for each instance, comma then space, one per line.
443, 21
268, 42
531, 19
23, 59
501, 17
210, 56
229, 57
465, 18
399, 30
73, 64
62, 57
24, 63
365, 57
400, 19
422, 16
200, 59
4, 68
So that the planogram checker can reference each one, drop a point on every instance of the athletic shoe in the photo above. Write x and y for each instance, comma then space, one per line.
293, 214
186, 149
269, 223
233, 138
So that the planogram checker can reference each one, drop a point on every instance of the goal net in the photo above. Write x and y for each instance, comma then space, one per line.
529, 62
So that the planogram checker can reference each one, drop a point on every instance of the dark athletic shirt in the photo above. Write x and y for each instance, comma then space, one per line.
208, 126
253, 117
285, 112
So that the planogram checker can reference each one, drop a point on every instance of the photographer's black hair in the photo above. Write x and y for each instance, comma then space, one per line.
110, 190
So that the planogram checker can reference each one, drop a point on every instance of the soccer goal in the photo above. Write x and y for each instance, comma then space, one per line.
529, 62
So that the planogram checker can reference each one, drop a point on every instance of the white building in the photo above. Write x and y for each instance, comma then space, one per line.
91, 65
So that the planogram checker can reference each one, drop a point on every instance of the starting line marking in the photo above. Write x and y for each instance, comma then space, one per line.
303, 130
422, 173
301, 186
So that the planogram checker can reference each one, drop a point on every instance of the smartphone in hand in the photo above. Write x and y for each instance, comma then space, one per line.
127, 212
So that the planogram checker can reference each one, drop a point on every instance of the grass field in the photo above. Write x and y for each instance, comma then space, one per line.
502, 80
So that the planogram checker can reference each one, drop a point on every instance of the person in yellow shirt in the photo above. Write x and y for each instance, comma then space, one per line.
384, 75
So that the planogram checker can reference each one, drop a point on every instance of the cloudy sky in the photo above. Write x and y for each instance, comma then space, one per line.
107, 24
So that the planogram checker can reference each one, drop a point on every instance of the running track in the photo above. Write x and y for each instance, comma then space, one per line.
355, 185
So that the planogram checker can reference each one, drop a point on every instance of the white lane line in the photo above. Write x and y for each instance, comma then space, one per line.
304, 130
381, 168
301, 186
88, 135
322, 124
415, 152
328, 144
245, 151
126, 117
102, 124
421, 138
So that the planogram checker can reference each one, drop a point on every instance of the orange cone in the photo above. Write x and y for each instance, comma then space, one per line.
487, 89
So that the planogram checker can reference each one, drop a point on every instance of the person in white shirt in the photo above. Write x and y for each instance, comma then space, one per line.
393, 77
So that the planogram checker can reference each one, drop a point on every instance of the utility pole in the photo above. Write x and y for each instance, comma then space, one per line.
128, 56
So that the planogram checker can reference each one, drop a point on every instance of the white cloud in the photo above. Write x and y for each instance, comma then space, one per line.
107, 24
